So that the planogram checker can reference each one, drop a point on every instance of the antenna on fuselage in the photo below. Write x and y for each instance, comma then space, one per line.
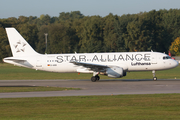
151, 50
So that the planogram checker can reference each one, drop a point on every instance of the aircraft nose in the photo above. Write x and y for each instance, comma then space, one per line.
175, 63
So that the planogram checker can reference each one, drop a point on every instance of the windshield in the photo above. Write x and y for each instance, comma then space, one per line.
166, 57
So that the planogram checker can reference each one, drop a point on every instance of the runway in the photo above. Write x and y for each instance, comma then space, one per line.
102, 87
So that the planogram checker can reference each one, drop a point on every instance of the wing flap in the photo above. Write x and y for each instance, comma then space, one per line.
93, 67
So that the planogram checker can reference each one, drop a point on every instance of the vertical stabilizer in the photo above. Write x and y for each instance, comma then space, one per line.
18, 44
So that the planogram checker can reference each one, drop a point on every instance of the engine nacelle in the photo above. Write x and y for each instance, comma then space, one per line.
115, 72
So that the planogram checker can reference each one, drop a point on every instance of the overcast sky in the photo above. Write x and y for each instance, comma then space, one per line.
16, 8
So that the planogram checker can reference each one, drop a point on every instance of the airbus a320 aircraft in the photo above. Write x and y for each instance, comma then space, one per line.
114, 64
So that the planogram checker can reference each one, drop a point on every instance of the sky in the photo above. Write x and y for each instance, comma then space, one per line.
16, 8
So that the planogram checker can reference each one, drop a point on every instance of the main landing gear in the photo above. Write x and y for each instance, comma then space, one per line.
154, 75
95, 77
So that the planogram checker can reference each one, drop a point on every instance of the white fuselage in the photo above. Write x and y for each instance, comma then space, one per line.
129, 61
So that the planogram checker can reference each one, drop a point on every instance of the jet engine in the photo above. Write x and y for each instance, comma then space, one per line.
115, 72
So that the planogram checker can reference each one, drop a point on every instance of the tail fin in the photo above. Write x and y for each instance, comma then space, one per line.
18, 44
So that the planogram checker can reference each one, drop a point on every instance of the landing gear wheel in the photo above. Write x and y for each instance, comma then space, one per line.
154, 75
97, 77
93, 79
154, 78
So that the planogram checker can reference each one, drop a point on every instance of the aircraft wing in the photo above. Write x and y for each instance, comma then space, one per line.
93, 67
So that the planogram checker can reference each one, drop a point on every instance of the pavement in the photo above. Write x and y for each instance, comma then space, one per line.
102, 87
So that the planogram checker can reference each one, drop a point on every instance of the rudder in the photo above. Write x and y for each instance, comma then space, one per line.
18, 44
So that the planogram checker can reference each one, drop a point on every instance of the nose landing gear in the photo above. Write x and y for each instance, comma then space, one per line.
154, 75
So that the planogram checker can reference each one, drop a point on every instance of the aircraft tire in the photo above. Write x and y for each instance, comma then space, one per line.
154, 78
97, 77
93, 79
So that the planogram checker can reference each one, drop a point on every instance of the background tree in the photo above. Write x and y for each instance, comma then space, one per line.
109, 34
41, 45
91, 37
4, 49
72, 31
175, 46
61, 39
138, 34
70, 16
30, 33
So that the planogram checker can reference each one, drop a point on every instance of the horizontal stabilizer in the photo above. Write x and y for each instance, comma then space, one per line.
15, 59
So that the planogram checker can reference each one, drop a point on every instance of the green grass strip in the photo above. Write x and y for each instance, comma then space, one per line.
120, 107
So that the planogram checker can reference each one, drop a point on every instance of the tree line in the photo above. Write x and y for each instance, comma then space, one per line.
73, 32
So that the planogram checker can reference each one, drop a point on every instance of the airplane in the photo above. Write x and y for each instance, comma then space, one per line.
113, 64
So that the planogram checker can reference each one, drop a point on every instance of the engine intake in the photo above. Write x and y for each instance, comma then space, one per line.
115, 72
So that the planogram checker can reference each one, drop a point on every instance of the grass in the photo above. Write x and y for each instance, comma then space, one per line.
33, 89
10, 72
124, 107
120, 107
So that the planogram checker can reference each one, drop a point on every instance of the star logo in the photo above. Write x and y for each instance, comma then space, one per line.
20, 46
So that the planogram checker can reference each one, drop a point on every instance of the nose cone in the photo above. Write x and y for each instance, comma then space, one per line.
175, 63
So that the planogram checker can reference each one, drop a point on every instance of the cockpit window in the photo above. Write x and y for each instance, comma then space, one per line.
166, 57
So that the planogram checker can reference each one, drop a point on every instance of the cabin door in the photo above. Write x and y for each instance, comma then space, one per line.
154, 58
39, 63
